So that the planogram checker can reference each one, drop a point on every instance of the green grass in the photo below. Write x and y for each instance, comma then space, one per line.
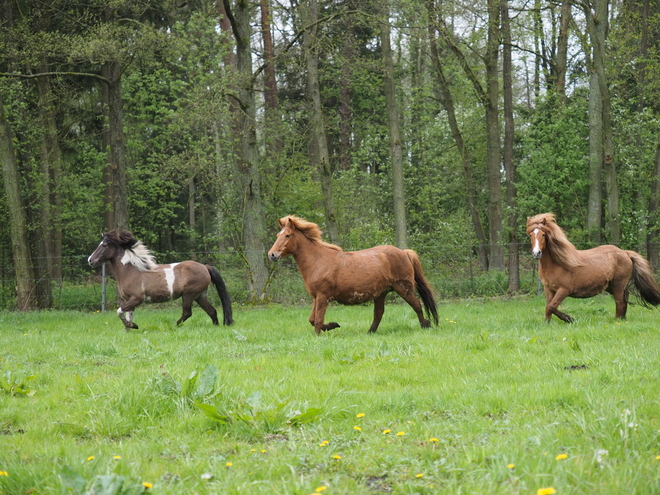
491, 386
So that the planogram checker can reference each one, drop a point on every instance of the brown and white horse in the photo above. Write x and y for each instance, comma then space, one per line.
140, 279
352, 277
568, 272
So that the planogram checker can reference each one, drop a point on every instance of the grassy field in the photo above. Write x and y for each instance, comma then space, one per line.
492, 400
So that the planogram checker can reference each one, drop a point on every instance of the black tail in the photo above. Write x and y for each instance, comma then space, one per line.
642, 279
423, 287
222, 292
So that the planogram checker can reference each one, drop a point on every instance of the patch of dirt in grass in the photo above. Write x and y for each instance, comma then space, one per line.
378, 484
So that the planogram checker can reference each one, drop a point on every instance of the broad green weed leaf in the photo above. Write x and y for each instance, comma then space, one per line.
213, 413
311, 414
107, 485
207, 381
71, 479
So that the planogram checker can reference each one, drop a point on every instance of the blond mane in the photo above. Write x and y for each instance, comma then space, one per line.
562, 251
310, 230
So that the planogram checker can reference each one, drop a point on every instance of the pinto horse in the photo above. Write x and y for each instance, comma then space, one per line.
568, 272
352, 277
140, 279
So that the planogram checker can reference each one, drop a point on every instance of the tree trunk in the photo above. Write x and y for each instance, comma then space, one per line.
448, 104
562, 50
117, 151
272, 117
17, 218
345, 93
247, 160
493, 138
653, 238
394, 126
509, 165
318, 136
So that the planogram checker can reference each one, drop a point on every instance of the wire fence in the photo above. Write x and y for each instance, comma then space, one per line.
453, 271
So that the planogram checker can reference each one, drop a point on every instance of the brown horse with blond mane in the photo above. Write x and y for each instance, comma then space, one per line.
352, 277
568, 272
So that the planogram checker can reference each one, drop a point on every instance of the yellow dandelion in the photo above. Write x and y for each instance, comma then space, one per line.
90, 458
511, 466
320, 489
263, 451
546, 491
147, 485
4, 473
385, 432
657, 457
433, 439
357, 428
229, 464
419, 475
400, 434
561, 456
336, 456
360, 415
324, 443
116, 457
253, 450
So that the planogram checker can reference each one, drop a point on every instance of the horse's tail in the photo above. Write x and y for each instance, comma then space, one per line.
642, 279
223, 293
423, 286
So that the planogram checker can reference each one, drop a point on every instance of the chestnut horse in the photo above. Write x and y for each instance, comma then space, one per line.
140, 279
352, 277
568, 272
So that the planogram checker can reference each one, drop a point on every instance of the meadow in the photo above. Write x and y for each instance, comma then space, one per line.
492, 400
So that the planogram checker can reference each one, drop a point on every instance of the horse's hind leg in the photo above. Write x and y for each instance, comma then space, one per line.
203, 301
552, 303
187, 308
407, 291
620, 295
379, 309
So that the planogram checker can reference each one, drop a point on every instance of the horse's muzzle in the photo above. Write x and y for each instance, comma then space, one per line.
274, 256
537, 254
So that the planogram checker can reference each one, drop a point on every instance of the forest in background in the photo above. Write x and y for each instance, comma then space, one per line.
437, 125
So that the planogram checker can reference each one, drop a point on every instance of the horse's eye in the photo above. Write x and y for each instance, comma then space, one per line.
287, 236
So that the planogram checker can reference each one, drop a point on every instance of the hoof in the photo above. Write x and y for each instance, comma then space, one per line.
330, 326
426, 324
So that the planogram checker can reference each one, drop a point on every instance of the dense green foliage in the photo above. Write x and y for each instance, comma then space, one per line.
178, 89
493, 400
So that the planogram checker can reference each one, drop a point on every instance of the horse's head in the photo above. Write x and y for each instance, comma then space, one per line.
285, 242
112, 244
537, 231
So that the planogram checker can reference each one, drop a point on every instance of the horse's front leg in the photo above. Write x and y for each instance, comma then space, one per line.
553, 300
318, 314
125, 312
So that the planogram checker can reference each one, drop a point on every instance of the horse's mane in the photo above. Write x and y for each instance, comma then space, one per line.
562, 251
135, 252
310, 230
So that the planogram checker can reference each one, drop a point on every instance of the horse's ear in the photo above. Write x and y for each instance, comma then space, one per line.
282, 221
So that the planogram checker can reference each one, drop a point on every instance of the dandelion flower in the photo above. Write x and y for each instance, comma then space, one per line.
561, 456
400, 434
229, 464
90, 458
657, 457
360, 415
4, 473
116, 457
336, 456
357, 428
433, 439
419, 475
385, 432
324, 443
147, 485
546, 491
263, 451
320, 489
511, 466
